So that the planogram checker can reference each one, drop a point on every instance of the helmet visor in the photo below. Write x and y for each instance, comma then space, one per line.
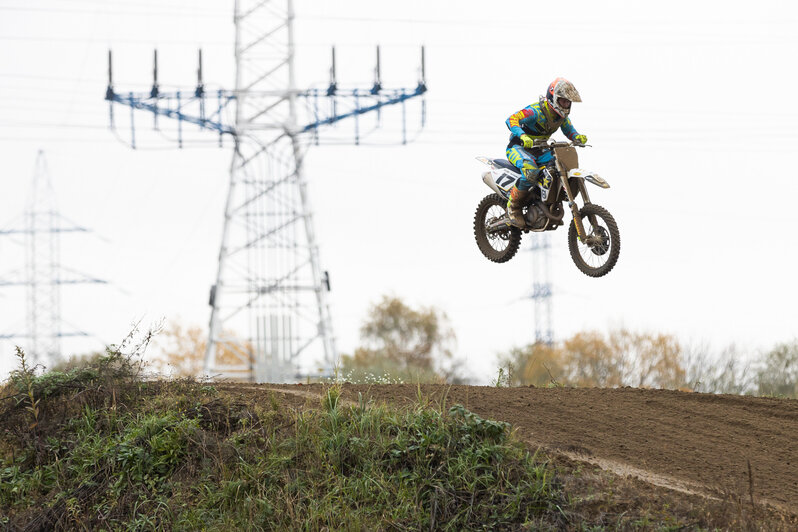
565, 103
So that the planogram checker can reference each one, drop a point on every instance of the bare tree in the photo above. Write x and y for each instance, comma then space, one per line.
778, 372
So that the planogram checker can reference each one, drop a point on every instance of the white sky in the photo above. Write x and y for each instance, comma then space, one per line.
688, 105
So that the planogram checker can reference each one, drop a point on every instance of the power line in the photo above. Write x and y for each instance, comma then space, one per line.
81, 11
712, 42
594, 26
51, 78
180, 5
25, 125
107, 41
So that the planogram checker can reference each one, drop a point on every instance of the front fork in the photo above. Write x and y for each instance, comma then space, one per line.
580, 228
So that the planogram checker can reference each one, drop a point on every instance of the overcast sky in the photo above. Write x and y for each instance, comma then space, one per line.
689, 107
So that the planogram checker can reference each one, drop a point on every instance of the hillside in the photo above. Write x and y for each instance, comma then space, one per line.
100, 448
696, 442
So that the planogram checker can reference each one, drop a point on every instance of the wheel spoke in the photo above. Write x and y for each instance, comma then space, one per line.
497, 246
592, 259
498, 240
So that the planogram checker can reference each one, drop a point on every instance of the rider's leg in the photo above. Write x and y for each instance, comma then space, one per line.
543, 180
521, 190
527, 164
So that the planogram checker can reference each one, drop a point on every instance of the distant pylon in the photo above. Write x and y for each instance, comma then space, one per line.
268, 303
43, 274
541, 288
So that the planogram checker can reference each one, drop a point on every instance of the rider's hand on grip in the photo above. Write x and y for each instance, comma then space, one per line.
528, 141
580, 139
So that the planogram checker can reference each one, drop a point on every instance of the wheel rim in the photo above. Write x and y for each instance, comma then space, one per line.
603, 237
498, 240
595, 249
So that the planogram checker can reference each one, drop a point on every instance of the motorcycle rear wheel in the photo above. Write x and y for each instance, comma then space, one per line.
598, 259
500, 246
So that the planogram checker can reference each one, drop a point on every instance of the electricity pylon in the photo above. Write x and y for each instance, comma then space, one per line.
541, 288
43, 273
269, 300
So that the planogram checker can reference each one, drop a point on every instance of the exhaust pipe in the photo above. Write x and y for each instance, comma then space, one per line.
549, 215
502, 224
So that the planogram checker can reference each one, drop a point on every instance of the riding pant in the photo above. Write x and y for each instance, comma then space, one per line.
529, 165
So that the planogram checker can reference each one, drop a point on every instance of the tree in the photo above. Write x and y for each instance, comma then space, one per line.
588, 360
536, 364
623, 358
778, 373
183, 351
648, 360
726, 372
403, 342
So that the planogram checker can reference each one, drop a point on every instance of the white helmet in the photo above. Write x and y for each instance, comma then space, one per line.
560, 94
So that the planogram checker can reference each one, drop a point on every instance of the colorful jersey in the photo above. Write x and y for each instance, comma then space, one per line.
539, 122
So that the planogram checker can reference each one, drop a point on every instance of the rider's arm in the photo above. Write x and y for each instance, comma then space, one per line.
513, 121
568, 129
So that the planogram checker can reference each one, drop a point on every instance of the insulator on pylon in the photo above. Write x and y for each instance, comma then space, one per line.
333, 81
109, 92
200, 90
422, 82
155, 89
377, 77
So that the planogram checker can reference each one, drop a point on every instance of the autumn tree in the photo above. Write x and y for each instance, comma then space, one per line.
535, 364
648, 360
403, 342
589, 360
623, 358
183, 350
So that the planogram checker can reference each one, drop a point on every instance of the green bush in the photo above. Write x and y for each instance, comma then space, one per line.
183, 456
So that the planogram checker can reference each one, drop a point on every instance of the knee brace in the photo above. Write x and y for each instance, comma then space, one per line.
530, 174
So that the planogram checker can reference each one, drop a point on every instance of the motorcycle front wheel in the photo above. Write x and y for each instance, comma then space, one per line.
596, 254
499, 246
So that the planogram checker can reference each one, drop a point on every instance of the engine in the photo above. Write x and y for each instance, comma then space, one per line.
534, 216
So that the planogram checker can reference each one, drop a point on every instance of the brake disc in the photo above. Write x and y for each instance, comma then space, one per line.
603, 245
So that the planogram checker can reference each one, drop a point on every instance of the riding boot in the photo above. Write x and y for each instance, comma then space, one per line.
515, 206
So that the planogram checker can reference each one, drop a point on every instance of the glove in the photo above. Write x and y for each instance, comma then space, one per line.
528, 141
580, 139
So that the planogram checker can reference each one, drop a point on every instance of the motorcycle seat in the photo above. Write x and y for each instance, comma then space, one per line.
504, 163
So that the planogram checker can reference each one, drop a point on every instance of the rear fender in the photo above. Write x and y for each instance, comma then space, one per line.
499, 179
486, 161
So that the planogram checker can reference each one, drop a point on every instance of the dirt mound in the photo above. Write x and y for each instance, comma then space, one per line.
697, 443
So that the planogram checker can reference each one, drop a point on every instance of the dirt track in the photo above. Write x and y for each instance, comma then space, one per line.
686, 441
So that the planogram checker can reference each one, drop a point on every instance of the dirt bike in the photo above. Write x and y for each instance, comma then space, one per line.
593, 238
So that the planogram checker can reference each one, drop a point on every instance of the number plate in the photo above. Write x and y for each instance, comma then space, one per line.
504, 180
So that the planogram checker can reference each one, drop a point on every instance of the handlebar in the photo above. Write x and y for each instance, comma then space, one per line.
558, 144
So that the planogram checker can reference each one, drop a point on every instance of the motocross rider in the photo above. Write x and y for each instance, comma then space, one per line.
537, 122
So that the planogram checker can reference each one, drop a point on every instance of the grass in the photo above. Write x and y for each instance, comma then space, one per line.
111, 451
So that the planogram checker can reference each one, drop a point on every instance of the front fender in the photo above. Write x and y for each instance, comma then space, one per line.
590, 177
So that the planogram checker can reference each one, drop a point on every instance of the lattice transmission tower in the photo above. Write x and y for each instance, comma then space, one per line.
269, 308
43, 274
541, 288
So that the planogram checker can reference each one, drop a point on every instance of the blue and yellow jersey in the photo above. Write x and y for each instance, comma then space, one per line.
539, 121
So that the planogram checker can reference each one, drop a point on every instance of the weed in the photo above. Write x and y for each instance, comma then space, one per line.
504, 378
330, 398
26, 376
